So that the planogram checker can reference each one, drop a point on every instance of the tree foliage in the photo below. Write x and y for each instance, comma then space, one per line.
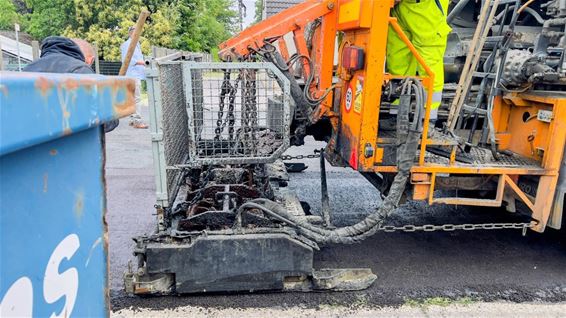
203, 24
258, 11
8, 14
193, 25
48, 17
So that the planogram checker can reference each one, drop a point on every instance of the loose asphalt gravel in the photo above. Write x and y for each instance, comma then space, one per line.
490, 266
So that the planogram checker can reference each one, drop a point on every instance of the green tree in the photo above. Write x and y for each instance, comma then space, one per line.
49, 17
161, 27
194, 25
258, 11
203, 24
105, 23
8, 15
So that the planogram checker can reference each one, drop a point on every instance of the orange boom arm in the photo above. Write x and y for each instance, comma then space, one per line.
294, 21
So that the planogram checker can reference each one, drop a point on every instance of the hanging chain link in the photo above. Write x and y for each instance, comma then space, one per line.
455, 227
409, 228
225, 89
249, 116
299, 157
231, 118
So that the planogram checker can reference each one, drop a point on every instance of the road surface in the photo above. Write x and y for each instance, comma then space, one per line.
411, 267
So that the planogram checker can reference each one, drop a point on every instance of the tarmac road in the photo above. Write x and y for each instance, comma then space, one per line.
479, 265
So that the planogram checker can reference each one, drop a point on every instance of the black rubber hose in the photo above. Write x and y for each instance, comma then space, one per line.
456, 10
359, 231
371, 224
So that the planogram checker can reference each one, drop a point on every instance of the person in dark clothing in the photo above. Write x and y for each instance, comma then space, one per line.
63, 55
60, 55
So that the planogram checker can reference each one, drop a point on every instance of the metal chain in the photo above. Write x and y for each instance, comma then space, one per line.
249, 114
409, 228
454, 227
287, 157
225, 89
253, 109
231, 119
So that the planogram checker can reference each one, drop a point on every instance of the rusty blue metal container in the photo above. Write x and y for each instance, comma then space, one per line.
53, 236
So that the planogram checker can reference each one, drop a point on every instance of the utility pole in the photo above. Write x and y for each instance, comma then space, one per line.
242, 12
17, 28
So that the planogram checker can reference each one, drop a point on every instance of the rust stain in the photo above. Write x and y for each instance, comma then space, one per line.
128, 105
118, 86
69, 84
53, 152
45, 182
65, 92
121, 93
44, 85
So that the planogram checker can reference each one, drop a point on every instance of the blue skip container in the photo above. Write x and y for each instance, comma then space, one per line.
53, 235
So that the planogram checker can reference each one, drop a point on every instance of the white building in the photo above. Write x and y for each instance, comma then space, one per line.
10, 53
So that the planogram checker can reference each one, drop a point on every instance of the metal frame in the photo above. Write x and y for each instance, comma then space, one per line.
194, 159
156, 132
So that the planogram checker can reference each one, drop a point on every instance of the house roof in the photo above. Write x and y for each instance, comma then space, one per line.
272, 7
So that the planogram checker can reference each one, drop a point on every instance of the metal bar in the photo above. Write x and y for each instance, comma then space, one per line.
156, 131
168, 58
465, 80
190, 102
96, 59
17, 29
474, 201
35, 50
134, 41
519, 192
471, 170
431, 188
324, 191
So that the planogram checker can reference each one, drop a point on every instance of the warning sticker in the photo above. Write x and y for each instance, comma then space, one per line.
358, 96
349, 98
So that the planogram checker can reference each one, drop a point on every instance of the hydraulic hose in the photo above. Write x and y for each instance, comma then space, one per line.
456, 10
371, 224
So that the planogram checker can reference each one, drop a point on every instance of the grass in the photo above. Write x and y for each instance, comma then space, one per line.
438, 301
360, 301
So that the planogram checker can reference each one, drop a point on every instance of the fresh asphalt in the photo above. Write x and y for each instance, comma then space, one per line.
481, 265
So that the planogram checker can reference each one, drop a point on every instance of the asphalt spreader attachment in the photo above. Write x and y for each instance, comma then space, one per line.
226, 219
207, 247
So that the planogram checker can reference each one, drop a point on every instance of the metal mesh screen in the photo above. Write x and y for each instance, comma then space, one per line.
238, 112
175, 135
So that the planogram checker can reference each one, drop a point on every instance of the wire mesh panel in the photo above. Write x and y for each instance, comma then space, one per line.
168, 122
175, 134
238, 113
